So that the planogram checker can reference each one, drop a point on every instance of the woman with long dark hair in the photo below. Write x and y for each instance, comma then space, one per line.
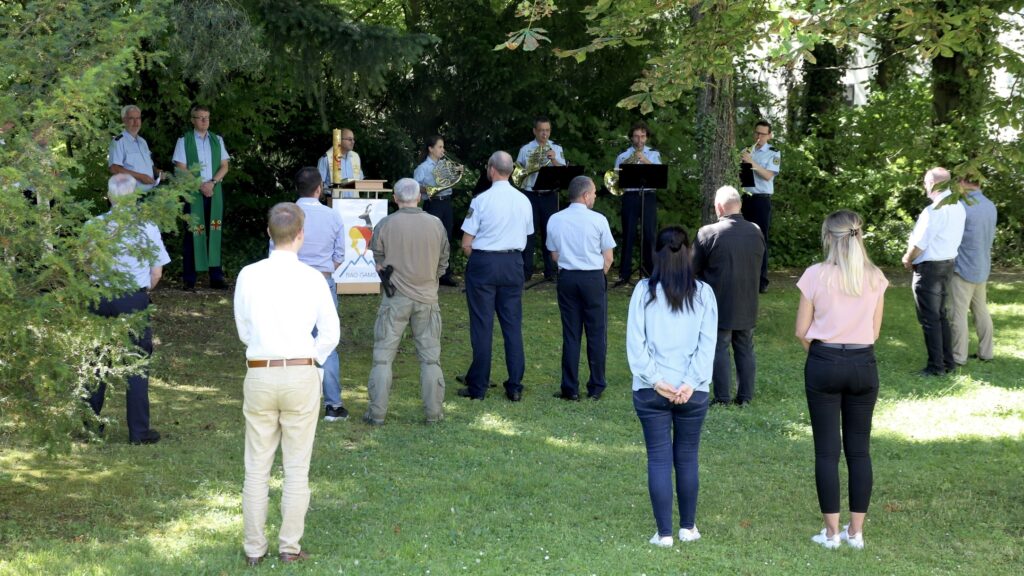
838, 321
670, 343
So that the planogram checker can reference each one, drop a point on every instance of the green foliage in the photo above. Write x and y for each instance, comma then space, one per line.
60, 65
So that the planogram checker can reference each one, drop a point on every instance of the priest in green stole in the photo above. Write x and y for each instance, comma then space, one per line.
201, 248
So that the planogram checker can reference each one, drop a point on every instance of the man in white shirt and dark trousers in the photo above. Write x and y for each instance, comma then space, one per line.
581, 243
278, 302
933, 246
494, 235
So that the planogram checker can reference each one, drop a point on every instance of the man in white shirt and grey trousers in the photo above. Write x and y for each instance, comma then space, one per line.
278, 301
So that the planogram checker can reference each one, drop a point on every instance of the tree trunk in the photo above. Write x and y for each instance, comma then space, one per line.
716, 140
823, 91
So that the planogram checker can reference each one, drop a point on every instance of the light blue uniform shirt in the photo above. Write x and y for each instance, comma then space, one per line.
579, 235
203, 149
499, 218
769, 158
974, 256
424, 174
675, 346
148, 237
131, 153
351, 169
325, 236
524, 153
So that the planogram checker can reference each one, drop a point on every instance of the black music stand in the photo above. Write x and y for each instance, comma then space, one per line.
642, 178
746, 175
553, 179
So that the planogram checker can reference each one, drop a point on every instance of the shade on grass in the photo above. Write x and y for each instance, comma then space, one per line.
538, 487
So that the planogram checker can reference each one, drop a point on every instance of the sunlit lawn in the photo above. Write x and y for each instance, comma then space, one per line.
539, 487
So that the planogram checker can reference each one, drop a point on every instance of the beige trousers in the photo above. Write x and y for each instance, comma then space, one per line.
281, 406
392, 317
967, 295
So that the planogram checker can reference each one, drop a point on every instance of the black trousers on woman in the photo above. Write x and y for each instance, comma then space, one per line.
842, 388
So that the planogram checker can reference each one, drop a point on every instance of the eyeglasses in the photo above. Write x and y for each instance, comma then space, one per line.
762, 133
201, 118
349, 139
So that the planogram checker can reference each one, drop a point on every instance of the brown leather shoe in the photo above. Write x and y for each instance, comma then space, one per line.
287, 558
253, 561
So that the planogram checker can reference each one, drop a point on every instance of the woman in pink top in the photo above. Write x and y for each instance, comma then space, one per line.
838, 321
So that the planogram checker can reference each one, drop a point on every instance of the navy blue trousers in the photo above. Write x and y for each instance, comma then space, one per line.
494, 284
933, 294
672, 437
757, 208
188, 254
137, 391
635, 204
442, 209
583, 301
544, 205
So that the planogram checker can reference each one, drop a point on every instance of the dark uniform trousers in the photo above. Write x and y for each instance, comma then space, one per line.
442, 209
544, 205
494, 283
188, 255
932, 283
138, 384
633, 203
757, 208
583, 300
742, 343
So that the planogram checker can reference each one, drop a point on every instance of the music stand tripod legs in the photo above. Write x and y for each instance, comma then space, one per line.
639, 269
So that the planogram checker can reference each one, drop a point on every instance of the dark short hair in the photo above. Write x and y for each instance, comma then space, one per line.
764, 123
199, 108
432, 140
639, 125
579, 186
307, 179
540, 120
284, 221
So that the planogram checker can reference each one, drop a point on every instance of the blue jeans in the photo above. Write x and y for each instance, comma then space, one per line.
332, 366
666, 451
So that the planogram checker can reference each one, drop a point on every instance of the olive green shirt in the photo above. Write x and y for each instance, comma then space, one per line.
415, 244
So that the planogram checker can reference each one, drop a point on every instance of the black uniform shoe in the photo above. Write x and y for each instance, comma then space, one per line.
465, 393
150, 437
564, 396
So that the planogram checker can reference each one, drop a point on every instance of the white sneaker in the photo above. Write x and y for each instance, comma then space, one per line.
689, 535
830, 543
661, 541
855, 541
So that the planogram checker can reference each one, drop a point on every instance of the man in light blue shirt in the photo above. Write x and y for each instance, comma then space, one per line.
129, 153
638, 205
351, 165
543, 202
581, 243
764, 162
324, 250
970, 274
142, 276
494, 235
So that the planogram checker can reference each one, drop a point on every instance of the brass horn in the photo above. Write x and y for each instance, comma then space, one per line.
611, 177
537, 159
447, 173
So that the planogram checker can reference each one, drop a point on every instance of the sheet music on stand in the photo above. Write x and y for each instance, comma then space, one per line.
746, 175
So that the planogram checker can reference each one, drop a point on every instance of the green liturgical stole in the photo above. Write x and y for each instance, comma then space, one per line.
206, 255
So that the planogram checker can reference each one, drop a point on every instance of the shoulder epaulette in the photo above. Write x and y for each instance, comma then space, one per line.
773, 149
119, 136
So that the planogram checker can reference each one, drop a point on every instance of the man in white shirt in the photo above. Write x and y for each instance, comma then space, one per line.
581, 243
930, 253
278, 301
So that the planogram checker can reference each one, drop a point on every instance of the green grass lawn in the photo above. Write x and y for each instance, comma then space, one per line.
539, 487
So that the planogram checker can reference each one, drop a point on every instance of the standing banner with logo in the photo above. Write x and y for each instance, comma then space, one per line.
358, 273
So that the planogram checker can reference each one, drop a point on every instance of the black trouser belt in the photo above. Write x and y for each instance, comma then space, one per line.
497, 251
842, 346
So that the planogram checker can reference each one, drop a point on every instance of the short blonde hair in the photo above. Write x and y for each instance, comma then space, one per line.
285, 221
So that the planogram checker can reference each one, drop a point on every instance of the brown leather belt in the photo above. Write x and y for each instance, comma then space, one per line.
279, 363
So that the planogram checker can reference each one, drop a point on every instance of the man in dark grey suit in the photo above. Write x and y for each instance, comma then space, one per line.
727, 255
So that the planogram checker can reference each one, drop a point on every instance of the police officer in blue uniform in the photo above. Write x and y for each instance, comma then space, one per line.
581, 244
440, 204
494, 235
636, 202
757, 204
543, 202
129, 153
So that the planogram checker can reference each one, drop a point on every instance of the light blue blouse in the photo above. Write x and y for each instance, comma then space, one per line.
675, 346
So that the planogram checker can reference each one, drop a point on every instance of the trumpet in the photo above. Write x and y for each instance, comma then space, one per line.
611, 177
447, 173
537, 159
